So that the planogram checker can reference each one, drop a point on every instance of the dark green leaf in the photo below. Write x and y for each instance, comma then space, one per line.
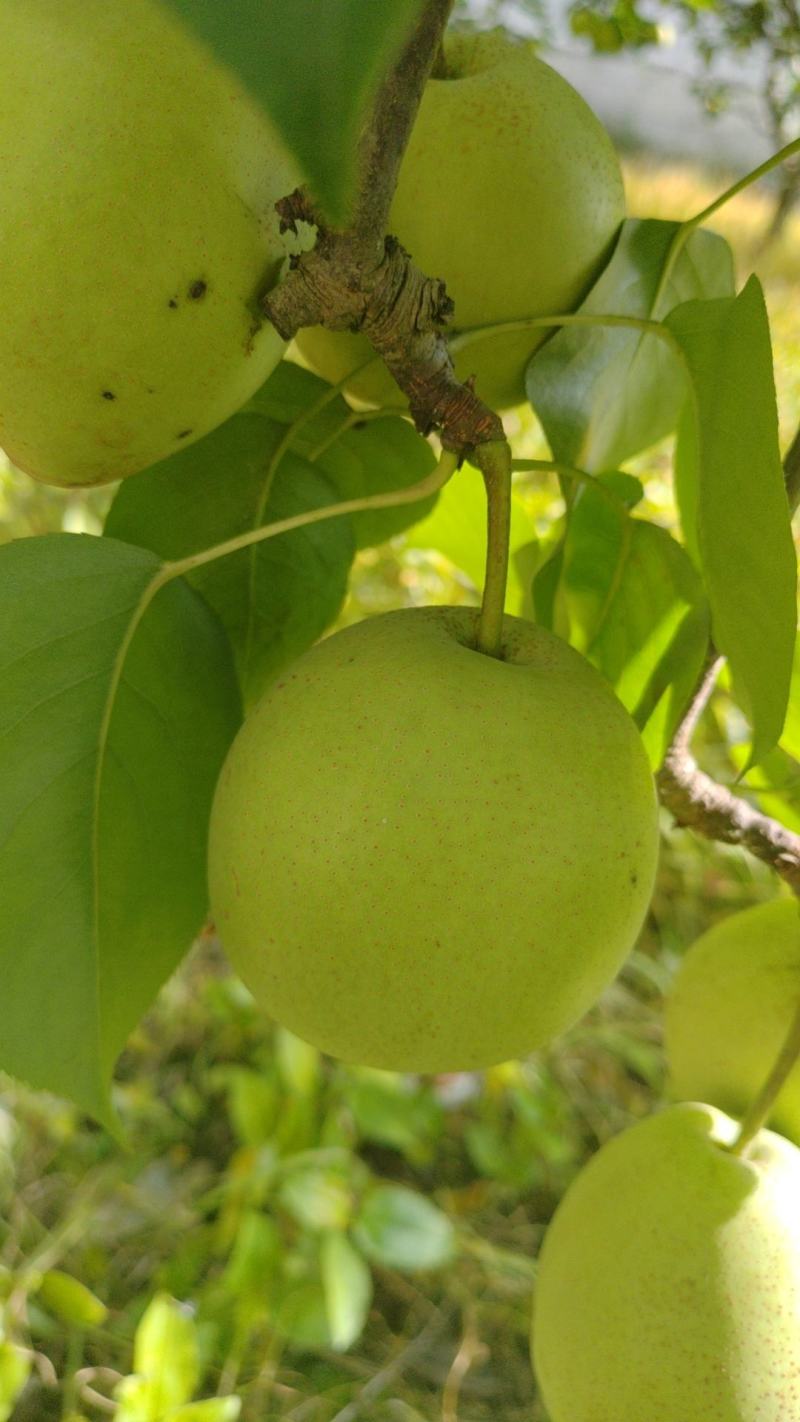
276, 598
313, 65
605, 393
386, 1110
374, 458
744, 531
108, 758
636, 608
360, 455
254, 1259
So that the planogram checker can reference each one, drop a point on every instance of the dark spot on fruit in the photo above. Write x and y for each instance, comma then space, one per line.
634, 878
198, 289
109, 395
172, 304
184, 434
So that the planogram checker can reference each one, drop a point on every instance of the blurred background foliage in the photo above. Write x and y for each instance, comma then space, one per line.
284, 1237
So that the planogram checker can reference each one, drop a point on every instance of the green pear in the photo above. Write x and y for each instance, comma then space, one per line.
668, 1287
730, 1010
511, 191
425, 858
137, 231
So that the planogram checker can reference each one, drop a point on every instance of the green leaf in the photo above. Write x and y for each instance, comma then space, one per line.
347, 1285
604, 393
776, 779
254, 1259
216, 1409
165, 1354
391, 1112
790, 739
317, 1198
299, 1064
360, 454
109, 754
744, 531
70, 1300
301, 1313
291, 392
400, 1229
636, 609
374, 458
15, 1367
457, 528
276, 598
686, 479
253, 1102
775, 783
314, 67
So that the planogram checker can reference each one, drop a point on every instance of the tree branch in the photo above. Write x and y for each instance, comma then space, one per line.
361, 280
699, 803
695, 800
384, 139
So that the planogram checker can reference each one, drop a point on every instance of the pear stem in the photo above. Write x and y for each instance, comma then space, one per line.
761, 1109
494, 461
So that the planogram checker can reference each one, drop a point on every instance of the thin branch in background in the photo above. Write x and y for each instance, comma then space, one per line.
470, 1351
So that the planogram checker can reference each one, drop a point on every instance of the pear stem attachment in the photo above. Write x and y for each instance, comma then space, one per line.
761, 1108
494, 461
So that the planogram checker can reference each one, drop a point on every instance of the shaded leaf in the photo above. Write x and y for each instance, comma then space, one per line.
401, 1229
274, 599
301, 1313
360, 455
109, 753
313, 67
605, 393
744, 532
635, 606
373, 458
387, 1110
790, 739
254, 1259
